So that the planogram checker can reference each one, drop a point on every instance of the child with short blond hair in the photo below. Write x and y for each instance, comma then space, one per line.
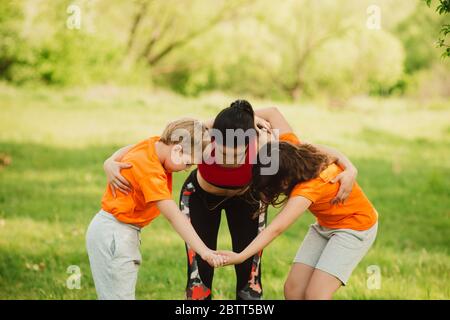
113, 237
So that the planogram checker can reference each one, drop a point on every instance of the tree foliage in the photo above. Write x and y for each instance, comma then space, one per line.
279, 49
443, 8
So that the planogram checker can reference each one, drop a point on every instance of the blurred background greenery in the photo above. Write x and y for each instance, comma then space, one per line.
278, 50
78, 79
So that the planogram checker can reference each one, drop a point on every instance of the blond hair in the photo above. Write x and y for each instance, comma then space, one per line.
187, 132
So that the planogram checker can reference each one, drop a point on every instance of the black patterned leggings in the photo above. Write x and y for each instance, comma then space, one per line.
245, 220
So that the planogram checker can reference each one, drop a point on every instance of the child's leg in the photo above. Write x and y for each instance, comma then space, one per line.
99, 239
322, 286
304, 263
114, 256
125, 262
343, 252
297, 281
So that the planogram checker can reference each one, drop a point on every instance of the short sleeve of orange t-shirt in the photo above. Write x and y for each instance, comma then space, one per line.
310, 189
155, 187
290, 137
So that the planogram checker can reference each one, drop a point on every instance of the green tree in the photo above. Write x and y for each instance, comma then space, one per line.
159, 28
324, 47
418, 35
443, 8
12, 46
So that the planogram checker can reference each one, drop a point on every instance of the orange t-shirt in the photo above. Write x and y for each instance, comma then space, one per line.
356, 213
150, 183
289, 137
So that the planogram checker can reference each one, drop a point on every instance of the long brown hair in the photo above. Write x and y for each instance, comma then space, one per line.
297, 163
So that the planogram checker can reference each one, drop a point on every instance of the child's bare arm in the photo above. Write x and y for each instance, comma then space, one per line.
118, 155
293, 209
184, 228
275, 118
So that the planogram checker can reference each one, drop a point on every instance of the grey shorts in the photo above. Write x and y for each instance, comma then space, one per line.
114, 255
335, 251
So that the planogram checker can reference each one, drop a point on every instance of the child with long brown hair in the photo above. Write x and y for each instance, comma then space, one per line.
343, 233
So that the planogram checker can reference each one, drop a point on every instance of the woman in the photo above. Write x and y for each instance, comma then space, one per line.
216, 185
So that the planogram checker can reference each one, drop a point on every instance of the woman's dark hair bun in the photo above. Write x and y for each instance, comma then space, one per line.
243, 105
238, 116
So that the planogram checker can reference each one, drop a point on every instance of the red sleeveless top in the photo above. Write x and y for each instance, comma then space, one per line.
229, 177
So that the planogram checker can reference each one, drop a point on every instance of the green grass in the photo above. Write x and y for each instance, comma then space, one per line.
57, 141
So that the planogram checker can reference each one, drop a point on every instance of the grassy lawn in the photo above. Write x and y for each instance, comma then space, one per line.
57, 141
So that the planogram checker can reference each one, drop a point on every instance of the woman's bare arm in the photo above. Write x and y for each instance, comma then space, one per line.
112, 167
275, 118
346, 178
